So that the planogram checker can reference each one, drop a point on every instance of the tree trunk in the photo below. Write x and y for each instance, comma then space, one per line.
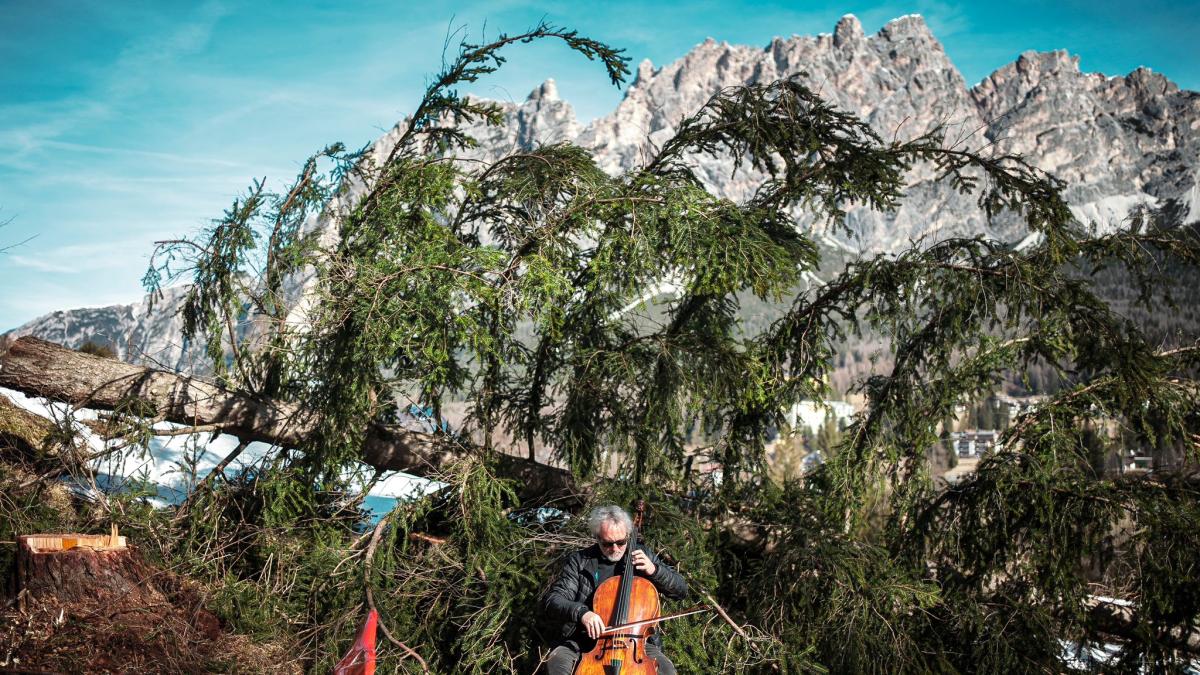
89, 606
1120, 621
81, 573
45, 369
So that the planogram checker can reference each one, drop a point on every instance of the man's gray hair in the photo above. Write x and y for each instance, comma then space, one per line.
609, 514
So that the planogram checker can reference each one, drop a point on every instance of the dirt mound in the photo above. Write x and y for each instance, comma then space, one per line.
132, 618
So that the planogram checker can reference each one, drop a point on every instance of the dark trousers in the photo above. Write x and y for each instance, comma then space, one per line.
563, 659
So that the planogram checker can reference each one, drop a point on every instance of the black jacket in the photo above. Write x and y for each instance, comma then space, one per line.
570, 596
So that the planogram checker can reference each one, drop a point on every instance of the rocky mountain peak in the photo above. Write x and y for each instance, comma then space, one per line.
645, 71
547, 91
1032, 71
1149, 83
908, 27
1117, 141
849, 29
1033, 66
541, 118
147, 332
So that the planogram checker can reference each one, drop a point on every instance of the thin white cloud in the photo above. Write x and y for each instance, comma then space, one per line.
144, 154
135, 71
41, 265
34, 301
28, 128
945, 19
141, 63
87, 258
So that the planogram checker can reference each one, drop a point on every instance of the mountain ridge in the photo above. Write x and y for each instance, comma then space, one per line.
1118, 141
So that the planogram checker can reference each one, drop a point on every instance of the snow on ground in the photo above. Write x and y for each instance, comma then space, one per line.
174, 464
1107, 214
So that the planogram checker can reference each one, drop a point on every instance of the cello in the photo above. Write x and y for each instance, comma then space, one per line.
629, 606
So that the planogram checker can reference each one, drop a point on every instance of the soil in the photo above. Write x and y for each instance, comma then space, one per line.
135, 619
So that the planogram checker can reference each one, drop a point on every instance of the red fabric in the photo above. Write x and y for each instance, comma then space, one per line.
360, 660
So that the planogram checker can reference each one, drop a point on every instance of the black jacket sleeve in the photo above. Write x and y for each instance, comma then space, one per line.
666, 580
560, 601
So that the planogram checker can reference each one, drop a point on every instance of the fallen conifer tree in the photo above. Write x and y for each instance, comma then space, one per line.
525, 286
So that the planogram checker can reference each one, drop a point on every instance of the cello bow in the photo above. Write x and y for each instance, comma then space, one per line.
634, 624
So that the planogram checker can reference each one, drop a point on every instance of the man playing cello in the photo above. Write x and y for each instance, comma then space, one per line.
569, 598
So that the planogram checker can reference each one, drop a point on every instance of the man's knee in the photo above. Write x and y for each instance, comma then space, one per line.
562, 661
665, 667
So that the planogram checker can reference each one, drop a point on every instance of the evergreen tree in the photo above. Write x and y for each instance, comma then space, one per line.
788, 452
828, 436
520, 286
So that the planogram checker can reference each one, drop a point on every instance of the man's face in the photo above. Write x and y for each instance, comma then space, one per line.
613, 538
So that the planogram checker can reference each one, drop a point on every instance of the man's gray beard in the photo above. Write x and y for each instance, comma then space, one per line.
616, 559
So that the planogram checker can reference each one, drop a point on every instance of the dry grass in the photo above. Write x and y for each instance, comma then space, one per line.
20, 429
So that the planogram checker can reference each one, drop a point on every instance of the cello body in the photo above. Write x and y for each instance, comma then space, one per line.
625, 652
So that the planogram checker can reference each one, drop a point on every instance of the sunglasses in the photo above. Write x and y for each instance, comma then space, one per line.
613, 544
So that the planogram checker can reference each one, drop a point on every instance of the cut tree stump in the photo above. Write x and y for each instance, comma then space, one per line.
91, 603
82, 572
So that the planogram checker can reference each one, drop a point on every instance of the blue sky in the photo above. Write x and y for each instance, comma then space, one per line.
126, 122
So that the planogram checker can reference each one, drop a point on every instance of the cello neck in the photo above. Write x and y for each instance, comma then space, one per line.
622, 609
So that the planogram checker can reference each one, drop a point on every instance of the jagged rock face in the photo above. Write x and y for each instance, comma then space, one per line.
1118, 141
138, 332
899, 80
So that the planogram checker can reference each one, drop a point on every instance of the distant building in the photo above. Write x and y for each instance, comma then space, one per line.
1139, 464
975, 442
810, 415
995, 411
1016, 405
